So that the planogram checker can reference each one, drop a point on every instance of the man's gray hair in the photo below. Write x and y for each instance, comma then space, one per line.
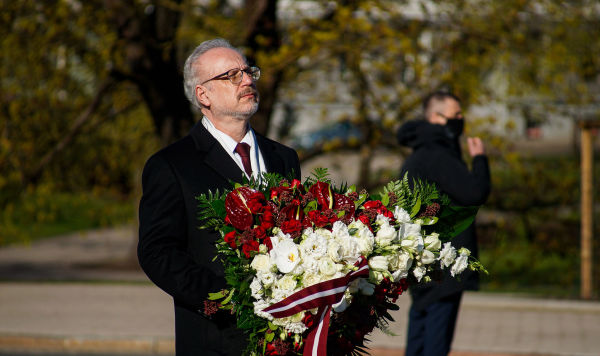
190, 80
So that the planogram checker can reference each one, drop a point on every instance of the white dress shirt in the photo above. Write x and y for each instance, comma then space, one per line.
229, 144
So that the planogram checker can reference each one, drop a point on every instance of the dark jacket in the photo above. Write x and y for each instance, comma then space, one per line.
176, 255
436, 157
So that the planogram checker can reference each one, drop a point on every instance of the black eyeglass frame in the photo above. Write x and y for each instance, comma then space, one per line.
253, 72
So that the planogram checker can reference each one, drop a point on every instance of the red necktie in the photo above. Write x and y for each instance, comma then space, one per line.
243, 149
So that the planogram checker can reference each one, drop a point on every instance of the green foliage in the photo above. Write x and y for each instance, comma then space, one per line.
43, 212
211, 210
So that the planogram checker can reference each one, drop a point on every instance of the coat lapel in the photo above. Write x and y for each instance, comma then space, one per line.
214, 155
273, 161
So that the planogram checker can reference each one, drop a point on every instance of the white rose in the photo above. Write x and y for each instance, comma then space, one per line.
412, 243
349, 251
339, 230
325, 233
419, 272
334, 250
447, 255
314, 245
432, 242
412, 229
285, 255
427, 257
461, 263
261, 263
327, 267
308, 279
266, 278
286, 282
378, 263
386, 233
401, 215
399, 274
310, 264
256, 288
400, 261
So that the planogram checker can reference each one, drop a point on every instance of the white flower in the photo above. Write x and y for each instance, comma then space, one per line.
285, 255
339, 230
349, 249
286, 282
375, 276
327, 267
314, 245
432, 242
334, 250
447, 255
427, 257
308, 279
310, 264
412, 243
256, 288
400, 261
364, 237
410, 230
401, 215
266, 278
461, 263
399, 274
386, 233
419, 272
259, 305
261, 262
378, 263
292, 323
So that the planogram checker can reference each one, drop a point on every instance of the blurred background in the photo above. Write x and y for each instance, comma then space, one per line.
90, 89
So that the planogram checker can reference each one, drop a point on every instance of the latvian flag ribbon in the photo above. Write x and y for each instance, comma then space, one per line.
322, 296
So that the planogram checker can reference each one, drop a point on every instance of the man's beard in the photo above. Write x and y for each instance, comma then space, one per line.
242, 114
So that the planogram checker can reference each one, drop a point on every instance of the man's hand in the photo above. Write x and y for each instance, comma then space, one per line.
475, 146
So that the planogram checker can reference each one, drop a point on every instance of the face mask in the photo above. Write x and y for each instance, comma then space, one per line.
455, 127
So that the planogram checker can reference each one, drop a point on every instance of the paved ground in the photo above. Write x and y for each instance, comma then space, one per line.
76, 295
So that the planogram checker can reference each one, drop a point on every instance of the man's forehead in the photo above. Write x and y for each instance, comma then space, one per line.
218, 60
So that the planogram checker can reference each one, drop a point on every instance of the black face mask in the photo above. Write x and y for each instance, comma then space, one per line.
454, 127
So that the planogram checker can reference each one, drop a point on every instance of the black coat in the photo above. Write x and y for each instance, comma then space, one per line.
176, 255
436, 157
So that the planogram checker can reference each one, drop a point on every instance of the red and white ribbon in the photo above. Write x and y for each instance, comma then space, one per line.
321, 295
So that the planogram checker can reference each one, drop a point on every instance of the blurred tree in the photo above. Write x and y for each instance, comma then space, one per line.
70, 67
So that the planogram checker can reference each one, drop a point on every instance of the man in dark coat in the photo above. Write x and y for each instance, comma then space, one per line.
174, 253
436, 157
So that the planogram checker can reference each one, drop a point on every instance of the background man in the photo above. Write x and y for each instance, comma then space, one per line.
436, 157
174, 253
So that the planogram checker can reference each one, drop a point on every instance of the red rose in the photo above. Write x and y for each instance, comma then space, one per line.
322, 191
255, 202
365, 220
379, 207
317, 218
230, 239
296, 184
267, 219
268, 243
260, 232
250, 245
291, 227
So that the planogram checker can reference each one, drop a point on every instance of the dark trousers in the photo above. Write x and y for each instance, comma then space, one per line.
430, 330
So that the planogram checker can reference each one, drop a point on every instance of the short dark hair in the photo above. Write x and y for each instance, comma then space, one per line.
437, 96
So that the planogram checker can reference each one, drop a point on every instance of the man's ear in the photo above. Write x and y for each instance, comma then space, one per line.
201, 95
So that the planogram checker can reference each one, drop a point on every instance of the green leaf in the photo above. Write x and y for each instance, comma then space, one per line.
385, 199
217, 295
269, 336
415, 208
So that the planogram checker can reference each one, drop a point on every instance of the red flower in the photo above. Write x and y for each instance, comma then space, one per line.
255, 202
260, 232
267, 218
365, 220
379, 207
322, 191
230, 239
318, 219
268, 243
292, 211
238, 212
292, 227
249, 246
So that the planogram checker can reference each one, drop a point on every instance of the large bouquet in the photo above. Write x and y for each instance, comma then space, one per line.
311, 265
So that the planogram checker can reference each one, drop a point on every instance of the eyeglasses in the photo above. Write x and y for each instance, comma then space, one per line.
235, 75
